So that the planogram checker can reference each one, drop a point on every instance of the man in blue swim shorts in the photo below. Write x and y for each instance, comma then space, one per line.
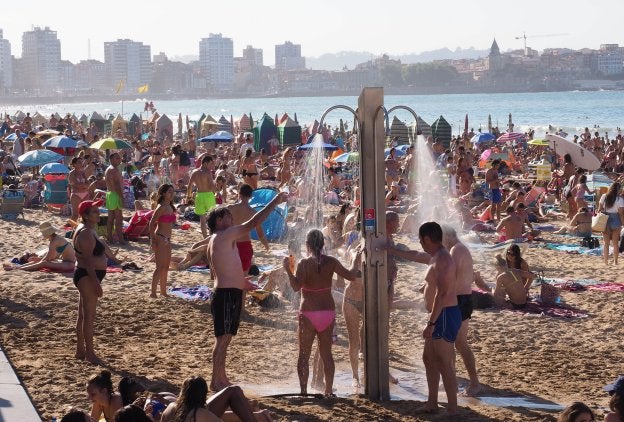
491, 178
445, 318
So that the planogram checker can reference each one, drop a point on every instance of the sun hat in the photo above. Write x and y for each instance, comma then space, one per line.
87, 205
47, 229
616, 386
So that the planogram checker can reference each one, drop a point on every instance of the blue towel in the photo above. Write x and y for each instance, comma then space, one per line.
192, 293
199, 269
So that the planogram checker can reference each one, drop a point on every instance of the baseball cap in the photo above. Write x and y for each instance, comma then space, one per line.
616, 386
85, 206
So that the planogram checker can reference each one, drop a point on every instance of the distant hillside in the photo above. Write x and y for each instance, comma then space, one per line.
336, 61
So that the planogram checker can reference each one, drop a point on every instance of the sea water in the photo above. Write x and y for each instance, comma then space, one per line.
570, 111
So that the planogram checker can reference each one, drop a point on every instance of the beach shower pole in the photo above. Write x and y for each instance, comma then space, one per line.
374, 267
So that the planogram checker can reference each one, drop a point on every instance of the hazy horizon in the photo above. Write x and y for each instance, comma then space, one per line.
402, 27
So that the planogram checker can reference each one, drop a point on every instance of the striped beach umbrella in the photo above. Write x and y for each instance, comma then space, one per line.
510, 136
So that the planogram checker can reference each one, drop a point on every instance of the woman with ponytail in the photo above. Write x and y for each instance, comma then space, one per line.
317, 312
103, 398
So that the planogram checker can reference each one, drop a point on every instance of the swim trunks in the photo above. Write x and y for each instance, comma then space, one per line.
447, 325
204, 202
113, 201
245, 251
497, 196
226, 307
82, 272
465, 306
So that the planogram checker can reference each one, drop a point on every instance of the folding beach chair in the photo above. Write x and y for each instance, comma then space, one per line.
55, 190
12, 204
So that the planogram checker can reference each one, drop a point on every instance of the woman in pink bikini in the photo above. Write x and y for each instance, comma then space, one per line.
160, 236
78, 184
317, 312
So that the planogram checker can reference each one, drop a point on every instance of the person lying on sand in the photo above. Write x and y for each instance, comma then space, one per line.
60, 257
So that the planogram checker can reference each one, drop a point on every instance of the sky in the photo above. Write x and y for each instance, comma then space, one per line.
322, 26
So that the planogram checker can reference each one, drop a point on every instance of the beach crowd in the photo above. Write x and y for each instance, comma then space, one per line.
498, 191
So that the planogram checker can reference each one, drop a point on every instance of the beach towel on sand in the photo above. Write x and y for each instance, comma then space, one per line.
200, 293
551, 310
604, 286
108, 270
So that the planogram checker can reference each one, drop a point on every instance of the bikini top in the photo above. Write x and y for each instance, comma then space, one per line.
60, 249
98, 249
167, 218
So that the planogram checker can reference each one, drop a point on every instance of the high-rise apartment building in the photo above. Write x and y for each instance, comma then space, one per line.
41, 57
216, 59
253, 56
288, 57
129, 61
6, 63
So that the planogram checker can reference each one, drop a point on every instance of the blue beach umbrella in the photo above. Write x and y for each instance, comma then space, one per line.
403, 148
219, 136
348, 157
325, 146
482, 137
13, 136
38, 157
57, 168
60, 141
397, 152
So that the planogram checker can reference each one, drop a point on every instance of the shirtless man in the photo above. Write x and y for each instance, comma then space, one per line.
491, 178
512, 224
114, 199
205, 199
464, 278
78, 184
227, 269
241, 212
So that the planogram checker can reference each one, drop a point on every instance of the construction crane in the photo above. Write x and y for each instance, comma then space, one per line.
524, 36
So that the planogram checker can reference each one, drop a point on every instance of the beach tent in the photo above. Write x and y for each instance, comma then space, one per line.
399, 129
243, 123
420, 126
57, 116
38, 119
100, 122
119, 124
264, 131
134, 125
274, 226
224, 124
164, 128
84, 119
20, 115
289, 132
442, 130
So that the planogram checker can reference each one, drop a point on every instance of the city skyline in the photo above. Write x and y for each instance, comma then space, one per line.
177, 30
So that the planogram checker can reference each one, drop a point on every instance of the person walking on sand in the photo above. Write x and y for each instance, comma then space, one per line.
114, 199
491, 178
227, 270
241, 212
205, 199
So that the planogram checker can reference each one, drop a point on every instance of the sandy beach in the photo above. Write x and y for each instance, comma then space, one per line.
161, 342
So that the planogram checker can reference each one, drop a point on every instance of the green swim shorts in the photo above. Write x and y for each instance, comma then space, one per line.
113, 201
204, 202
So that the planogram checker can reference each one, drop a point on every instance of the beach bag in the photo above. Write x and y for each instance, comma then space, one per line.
548, 293
599, 222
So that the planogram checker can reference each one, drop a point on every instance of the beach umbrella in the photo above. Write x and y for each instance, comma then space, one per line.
581, 157
296, 118
111, 143
489, 123
347, 157
251, 121
482, 137
219, 136
466, 126
48, 132
324, 145
179, 123
397, 152
13, 136
38, 157
60, 141
231, 123
403, 148
510, 136
510, 124
187, 123
539, 142
81, 144
277, 121
486, 154
145, 136
57, 168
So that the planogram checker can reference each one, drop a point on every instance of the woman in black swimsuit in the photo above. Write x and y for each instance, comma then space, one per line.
90, 271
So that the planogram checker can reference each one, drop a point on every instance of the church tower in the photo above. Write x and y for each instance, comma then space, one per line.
494, 58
